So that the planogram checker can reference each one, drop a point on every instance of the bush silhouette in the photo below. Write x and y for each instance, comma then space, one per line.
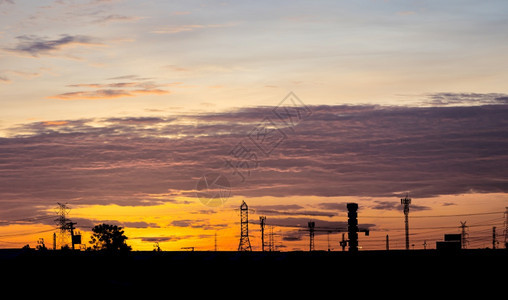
109, 238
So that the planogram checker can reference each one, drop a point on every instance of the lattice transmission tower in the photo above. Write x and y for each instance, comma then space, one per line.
244, 244
463, 234
62, 210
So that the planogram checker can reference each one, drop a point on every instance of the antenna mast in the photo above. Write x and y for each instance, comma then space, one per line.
406, 201
311, 235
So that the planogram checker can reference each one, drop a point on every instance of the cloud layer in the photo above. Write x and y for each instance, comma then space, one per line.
35, 45
462, 99
369, 151
134, 86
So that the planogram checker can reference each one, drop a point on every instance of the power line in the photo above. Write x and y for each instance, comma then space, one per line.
10, 242
26, 233
437, 227
436, 216
37, 218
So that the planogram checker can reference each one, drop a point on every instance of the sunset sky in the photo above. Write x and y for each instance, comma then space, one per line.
118, 108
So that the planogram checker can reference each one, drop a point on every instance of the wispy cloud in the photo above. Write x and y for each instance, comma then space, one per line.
35, 45
183, 223
8, 75
406, 13
116, 18
176, 68
106, 94
163, 238
333, 206
291, 209
97, 94
24, 74
130, 77
461, 99
55, 123
113, 90
178, 29
173, 29
391, 205
140, 224
180, 13
198, 223
4, 79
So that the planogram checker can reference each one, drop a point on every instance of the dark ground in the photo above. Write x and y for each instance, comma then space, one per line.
459, 271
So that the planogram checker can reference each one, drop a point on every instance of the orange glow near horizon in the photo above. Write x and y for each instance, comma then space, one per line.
177, 226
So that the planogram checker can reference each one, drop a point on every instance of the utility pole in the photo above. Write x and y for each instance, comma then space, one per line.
262, 220
343, 243
271, 242
494, 237
244, 244
311, 235
406, 201
215, 248
387, 242
70, 225
506, 228
328, 237
463, 234
54, 240
425, 245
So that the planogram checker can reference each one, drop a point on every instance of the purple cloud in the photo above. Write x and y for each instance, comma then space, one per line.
36, 45
368, 151
162, 238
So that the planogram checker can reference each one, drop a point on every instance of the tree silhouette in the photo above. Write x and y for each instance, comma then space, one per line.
109, 237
